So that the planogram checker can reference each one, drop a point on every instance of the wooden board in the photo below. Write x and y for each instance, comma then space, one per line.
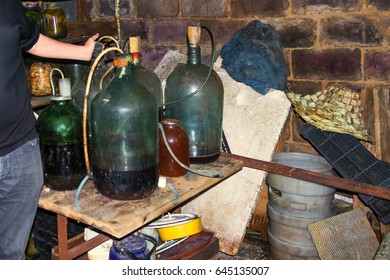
89, 28
376, 113
119, 218
40, 101
259, 220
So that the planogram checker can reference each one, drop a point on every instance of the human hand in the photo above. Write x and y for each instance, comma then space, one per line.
90, 45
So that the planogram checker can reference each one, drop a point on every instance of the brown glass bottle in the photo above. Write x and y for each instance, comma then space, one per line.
178, 142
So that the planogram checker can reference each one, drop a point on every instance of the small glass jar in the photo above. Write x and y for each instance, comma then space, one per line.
33, 10
39, 78
55, 21
179, 144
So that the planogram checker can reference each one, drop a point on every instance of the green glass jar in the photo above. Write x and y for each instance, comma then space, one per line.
145, 76
124, 137
33, 10
199, 112
55, 21
75, 71
61, 142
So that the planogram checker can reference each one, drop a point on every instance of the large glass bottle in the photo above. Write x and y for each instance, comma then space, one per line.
32, 9
61, 141
200, 112
124, 137
146, 77
56, 26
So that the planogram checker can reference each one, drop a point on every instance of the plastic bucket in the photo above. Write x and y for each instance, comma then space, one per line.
293, 204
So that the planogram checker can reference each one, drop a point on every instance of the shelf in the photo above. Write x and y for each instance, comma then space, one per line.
40, 101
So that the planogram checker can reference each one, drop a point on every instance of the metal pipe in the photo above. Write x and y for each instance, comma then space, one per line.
314, 177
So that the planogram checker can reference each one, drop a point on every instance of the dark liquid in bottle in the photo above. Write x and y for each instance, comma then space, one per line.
125, 185
63, 166
204, 159
203, 154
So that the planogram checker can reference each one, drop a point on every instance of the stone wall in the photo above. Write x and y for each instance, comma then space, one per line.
326, 41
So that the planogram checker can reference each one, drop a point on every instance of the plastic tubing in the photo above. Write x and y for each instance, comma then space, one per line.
205, 173
208, 74
85, 110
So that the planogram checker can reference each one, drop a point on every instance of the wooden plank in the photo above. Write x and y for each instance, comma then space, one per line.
77, 247
82, 11
367, 101
121, 217
376, 113
41, 101
259, 221
382, 98
89, 28
383, 103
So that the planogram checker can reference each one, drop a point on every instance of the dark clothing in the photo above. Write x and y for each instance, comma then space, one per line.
20, 33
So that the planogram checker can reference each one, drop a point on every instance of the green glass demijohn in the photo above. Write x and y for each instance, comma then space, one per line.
145, 76
124, 137
199, 111
61, 141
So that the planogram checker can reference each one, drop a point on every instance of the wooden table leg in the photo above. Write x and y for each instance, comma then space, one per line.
62, 231
76, 247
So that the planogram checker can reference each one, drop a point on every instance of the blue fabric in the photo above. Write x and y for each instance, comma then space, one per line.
21, 180
254, 56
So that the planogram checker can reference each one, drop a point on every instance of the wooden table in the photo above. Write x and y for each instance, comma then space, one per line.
118, 218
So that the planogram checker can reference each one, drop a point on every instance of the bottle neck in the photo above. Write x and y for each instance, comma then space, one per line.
123, 65
61, 99
170, 123
193, 55
32, 3
137, 58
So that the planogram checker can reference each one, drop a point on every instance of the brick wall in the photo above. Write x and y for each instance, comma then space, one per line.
326, 41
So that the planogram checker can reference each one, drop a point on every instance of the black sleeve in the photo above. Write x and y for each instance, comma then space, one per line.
29, 34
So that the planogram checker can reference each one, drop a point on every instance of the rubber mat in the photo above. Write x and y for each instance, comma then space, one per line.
347, 236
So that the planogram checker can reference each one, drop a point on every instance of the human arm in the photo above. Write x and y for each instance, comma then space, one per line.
51, 48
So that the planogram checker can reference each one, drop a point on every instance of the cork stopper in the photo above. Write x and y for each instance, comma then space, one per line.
194, 34
134, 44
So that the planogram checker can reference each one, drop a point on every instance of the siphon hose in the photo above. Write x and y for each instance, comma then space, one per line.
212, 33
53, 89
85, 109
205, 173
